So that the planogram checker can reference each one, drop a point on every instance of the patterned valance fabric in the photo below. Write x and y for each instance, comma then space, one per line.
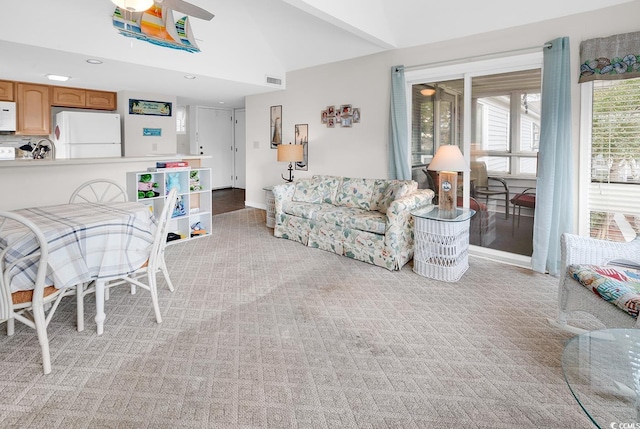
615, 57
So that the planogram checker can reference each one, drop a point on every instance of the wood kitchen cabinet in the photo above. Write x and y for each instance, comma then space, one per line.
82, 98
68, 97
34, 109
101, 100
6, 91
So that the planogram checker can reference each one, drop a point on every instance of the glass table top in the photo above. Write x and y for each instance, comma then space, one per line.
602, 370
459, 214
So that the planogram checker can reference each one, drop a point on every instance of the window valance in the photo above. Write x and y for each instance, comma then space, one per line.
609, 58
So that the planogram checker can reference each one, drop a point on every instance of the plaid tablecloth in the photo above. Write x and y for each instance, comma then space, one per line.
87, 241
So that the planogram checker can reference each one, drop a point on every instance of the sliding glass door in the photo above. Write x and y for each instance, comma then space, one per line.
492, 112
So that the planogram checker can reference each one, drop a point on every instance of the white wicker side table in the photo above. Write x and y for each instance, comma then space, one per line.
441, 243
271, 207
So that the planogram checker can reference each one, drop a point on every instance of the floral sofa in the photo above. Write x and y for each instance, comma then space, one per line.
365, 219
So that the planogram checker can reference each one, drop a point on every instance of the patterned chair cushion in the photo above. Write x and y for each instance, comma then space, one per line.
618, 285
355, 193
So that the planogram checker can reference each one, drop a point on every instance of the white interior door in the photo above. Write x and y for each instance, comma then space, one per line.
240, 153
214, 137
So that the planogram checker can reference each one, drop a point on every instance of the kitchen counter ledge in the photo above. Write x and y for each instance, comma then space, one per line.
28, 162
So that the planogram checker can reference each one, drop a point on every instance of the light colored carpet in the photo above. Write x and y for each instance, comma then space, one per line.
266, 333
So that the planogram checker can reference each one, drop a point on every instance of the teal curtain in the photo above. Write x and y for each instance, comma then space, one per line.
554, 194
398, 139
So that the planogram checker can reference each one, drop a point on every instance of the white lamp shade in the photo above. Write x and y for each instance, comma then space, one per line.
290, 152
133, 5
448, 158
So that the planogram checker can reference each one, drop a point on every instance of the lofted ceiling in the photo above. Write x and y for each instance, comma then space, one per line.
246, 42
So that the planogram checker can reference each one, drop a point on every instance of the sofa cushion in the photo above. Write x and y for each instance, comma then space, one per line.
308, 191
302, 209
352, 217
355, 193
393, 192
330, 187
618, 285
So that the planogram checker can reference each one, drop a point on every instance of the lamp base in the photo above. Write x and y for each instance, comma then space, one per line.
290, 179
447, 197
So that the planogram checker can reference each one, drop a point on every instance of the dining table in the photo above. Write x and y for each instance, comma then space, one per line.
87, 242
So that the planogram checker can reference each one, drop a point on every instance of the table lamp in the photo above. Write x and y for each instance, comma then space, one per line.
290, 153
448, 161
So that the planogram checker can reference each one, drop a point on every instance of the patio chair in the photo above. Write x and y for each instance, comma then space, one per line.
483, 185
526, 198
27, 305
601, 298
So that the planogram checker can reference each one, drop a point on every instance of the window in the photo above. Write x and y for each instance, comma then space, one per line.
506, 122
614, 158
434, 118
181, 120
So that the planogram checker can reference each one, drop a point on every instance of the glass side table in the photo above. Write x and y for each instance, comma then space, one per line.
271, 206
441, 243
602, 370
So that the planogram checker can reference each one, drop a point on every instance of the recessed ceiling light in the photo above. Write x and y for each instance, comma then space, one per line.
220, 102
57, 77
189, 76
94, 61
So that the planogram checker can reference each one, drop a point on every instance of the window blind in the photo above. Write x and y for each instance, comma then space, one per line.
614, 193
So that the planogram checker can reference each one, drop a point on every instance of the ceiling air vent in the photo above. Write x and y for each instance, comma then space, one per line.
274, 81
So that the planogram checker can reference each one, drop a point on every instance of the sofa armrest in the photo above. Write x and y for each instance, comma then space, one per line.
282, 193
576, 249
399, 231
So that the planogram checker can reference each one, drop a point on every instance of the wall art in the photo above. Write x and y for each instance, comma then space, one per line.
146, 107
345, 116
276, 126
302, 137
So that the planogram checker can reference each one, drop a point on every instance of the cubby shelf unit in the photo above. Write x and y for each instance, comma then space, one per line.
194, 197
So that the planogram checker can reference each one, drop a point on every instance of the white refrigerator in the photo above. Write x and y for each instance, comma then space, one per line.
87, 135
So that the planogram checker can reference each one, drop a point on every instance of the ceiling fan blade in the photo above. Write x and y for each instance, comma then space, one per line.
186, 8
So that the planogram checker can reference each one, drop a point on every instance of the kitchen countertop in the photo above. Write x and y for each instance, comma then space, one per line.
28, 162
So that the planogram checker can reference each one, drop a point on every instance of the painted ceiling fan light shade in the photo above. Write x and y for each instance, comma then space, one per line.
133, 5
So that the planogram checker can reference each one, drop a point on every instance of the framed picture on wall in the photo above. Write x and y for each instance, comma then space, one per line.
302, 137
323, 117
276, 126
356, 115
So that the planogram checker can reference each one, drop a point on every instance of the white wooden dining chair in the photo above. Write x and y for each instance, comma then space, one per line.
99, 190
27, 306
147, 271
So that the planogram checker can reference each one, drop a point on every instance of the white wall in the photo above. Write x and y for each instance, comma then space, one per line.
134, 143
361, 151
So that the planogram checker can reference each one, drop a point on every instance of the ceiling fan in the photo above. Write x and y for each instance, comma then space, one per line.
186, 8
177, 5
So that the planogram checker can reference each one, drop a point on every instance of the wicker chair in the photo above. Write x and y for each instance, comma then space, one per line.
574, 297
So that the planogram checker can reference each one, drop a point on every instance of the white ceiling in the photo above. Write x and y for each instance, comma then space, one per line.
245, 42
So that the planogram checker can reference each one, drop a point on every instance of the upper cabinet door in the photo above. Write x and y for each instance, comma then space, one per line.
34, 109
6, 91
82, 98
101, 100
67, 97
